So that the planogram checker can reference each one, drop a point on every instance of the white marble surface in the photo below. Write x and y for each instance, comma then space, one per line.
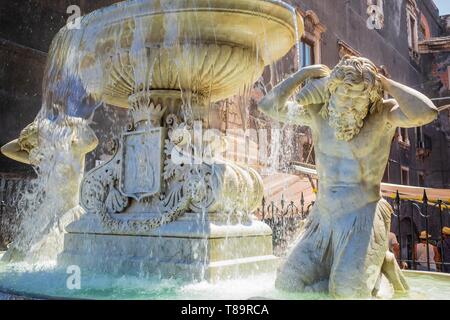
190, 225
187, 248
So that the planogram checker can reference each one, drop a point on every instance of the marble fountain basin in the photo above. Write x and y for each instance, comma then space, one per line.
209, 48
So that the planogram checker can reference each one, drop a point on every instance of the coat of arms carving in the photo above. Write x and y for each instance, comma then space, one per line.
142, 163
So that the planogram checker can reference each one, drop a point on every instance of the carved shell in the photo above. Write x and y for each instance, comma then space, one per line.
116, 202
314, 92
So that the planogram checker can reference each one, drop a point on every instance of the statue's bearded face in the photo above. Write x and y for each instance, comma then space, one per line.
348, 107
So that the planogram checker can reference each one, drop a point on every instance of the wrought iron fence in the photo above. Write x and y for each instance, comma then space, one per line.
414, 217
285, 219
410, 218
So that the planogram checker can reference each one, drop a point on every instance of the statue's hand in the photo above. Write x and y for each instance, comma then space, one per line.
315, 71
276, 99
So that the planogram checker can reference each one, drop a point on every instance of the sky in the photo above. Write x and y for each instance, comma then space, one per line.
443, 5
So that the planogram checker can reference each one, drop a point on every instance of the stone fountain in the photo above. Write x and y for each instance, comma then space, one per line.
166, 202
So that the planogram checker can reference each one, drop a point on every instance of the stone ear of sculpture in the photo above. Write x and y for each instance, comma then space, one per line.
20, 148
28, 138
13, 151
24, 149
314, 91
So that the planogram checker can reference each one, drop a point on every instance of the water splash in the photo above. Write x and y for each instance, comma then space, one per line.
45, 206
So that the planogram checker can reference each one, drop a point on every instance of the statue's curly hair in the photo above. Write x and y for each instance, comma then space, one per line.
28, 138
354, 71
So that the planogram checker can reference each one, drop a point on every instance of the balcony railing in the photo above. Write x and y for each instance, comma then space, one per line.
285, 219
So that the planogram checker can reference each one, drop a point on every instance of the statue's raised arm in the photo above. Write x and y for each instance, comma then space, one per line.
343, 248
410, 108
276, 105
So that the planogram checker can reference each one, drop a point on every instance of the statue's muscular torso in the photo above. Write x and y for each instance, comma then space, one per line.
359, 163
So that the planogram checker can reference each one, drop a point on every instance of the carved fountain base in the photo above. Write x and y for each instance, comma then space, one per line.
191, 248
163, 205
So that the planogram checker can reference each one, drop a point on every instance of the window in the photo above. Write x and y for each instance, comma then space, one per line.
307, 52
420, 179
419, 138
403, 137
311, 41
412, 28
404, 175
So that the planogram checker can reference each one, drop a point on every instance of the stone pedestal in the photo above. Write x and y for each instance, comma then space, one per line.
192, 248
167, 203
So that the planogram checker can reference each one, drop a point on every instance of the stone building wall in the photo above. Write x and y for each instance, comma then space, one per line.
345, 22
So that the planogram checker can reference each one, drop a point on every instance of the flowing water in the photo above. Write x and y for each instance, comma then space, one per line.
59, 164
72, 105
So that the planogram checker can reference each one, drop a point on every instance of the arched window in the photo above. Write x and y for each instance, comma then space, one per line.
311, 41
412, 28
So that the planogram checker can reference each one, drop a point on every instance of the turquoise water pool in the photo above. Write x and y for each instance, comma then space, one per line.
49, 281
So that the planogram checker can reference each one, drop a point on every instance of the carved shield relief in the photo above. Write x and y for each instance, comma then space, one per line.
141, 168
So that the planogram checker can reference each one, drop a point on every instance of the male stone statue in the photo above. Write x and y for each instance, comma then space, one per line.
343, 247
